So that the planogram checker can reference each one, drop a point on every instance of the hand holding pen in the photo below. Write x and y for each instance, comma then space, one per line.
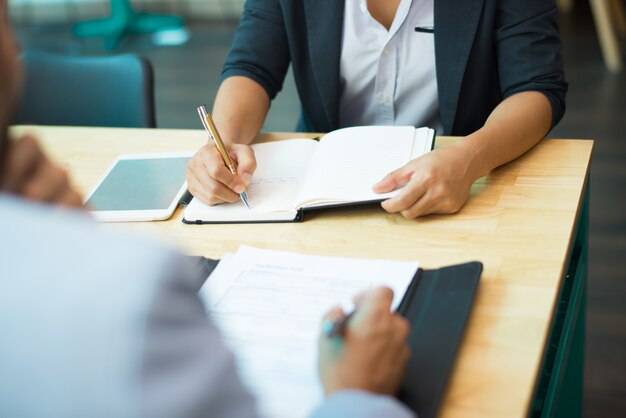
366, 349
220, 172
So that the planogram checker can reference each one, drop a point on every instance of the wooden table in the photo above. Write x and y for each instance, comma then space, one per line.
525, 221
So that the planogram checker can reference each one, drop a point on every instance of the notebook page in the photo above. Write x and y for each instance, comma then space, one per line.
423, 142
281, 167
269, 305
349, 161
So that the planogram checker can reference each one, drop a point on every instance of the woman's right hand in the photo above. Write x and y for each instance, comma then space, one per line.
210, 180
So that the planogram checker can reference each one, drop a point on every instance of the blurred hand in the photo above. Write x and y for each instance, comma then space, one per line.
30, 174
437, 182
208, 178
373, 352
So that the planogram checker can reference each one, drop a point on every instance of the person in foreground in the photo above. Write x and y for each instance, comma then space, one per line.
95, 324
487, 70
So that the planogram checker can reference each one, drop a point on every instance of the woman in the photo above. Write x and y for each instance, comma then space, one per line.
488, 70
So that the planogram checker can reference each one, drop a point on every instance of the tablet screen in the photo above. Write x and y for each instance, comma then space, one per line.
140, 184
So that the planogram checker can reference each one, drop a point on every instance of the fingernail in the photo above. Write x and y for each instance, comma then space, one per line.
246, 177
239, 188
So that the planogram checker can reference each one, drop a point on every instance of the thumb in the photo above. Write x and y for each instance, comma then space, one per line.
246, 161
393, 180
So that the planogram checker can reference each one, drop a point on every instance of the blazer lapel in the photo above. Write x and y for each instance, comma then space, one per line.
324, 23
455, 26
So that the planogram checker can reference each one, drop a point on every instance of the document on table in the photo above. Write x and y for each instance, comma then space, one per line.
269, 305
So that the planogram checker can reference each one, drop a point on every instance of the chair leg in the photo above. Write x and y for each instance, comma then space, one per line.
617, 9
608, 40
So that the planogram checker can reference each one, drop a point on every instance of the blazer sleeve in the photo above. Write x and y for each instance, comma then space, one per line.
528, 50
260, 50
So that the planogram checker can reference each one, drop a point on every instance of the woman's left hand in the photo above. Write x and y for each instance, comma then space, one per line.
437, 182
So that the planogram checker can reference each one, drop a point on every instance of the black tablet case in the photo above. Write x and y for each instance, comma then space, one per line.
437, 303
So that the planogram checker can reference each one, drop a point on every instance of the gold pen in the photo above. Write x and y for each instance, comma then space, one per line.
208, 124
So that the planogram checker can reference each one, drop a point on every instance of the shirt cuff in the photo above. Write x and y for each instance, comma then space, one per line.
361, 404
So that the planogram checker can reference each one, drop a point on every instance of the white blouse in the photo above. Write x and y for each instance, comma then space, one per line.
388, 77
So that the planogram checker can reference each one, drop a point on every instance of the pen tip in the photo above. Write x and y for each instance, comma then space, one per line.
244, 199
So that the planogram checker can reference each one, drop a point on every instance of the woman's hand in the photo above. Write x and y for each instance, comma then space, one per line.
209, 180
437, 182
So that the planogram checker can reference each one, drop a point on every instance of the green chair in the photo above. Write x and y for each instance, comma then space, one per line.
112, 91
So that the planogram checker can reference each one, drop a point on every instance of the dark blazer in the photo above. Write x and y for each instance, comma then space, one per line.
486, 50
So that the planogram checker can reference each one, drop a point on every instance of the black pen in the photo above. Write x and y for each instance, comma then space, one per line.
425, 29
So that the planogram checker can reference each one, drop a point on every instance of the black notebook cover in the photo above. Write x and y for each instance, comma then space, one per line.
437, 304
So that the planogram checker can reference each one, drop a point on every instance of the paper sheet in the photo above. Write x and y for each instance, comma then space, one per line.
360, 156
279, 175
269, 305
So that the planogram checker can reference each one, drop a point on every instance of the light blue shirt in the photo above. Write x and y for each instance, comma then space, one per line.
96, 324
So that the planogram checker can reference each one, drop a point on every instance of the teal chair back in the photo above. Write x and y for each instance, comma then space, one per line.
111, 91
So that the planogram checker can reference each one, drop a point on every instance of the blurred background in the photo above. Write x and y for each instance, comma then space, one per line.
188, 60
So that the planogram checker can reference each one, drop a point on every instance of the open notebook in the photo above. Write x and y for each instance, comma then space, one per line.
298, 174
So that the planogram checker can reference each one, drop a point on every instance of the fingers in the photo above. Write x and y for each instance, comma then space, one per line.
23, 158
397, 351
31, 175
422, 207
393, 180
430, 189
373, 352
210, 191
51, 184
70, 198
437, 182
212, 182
433, 200
215, 166
206, 188
401, 358
334, 314
409, 196
402, 329
46, 183
246, 162
411, 201
372, 305
401, 337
